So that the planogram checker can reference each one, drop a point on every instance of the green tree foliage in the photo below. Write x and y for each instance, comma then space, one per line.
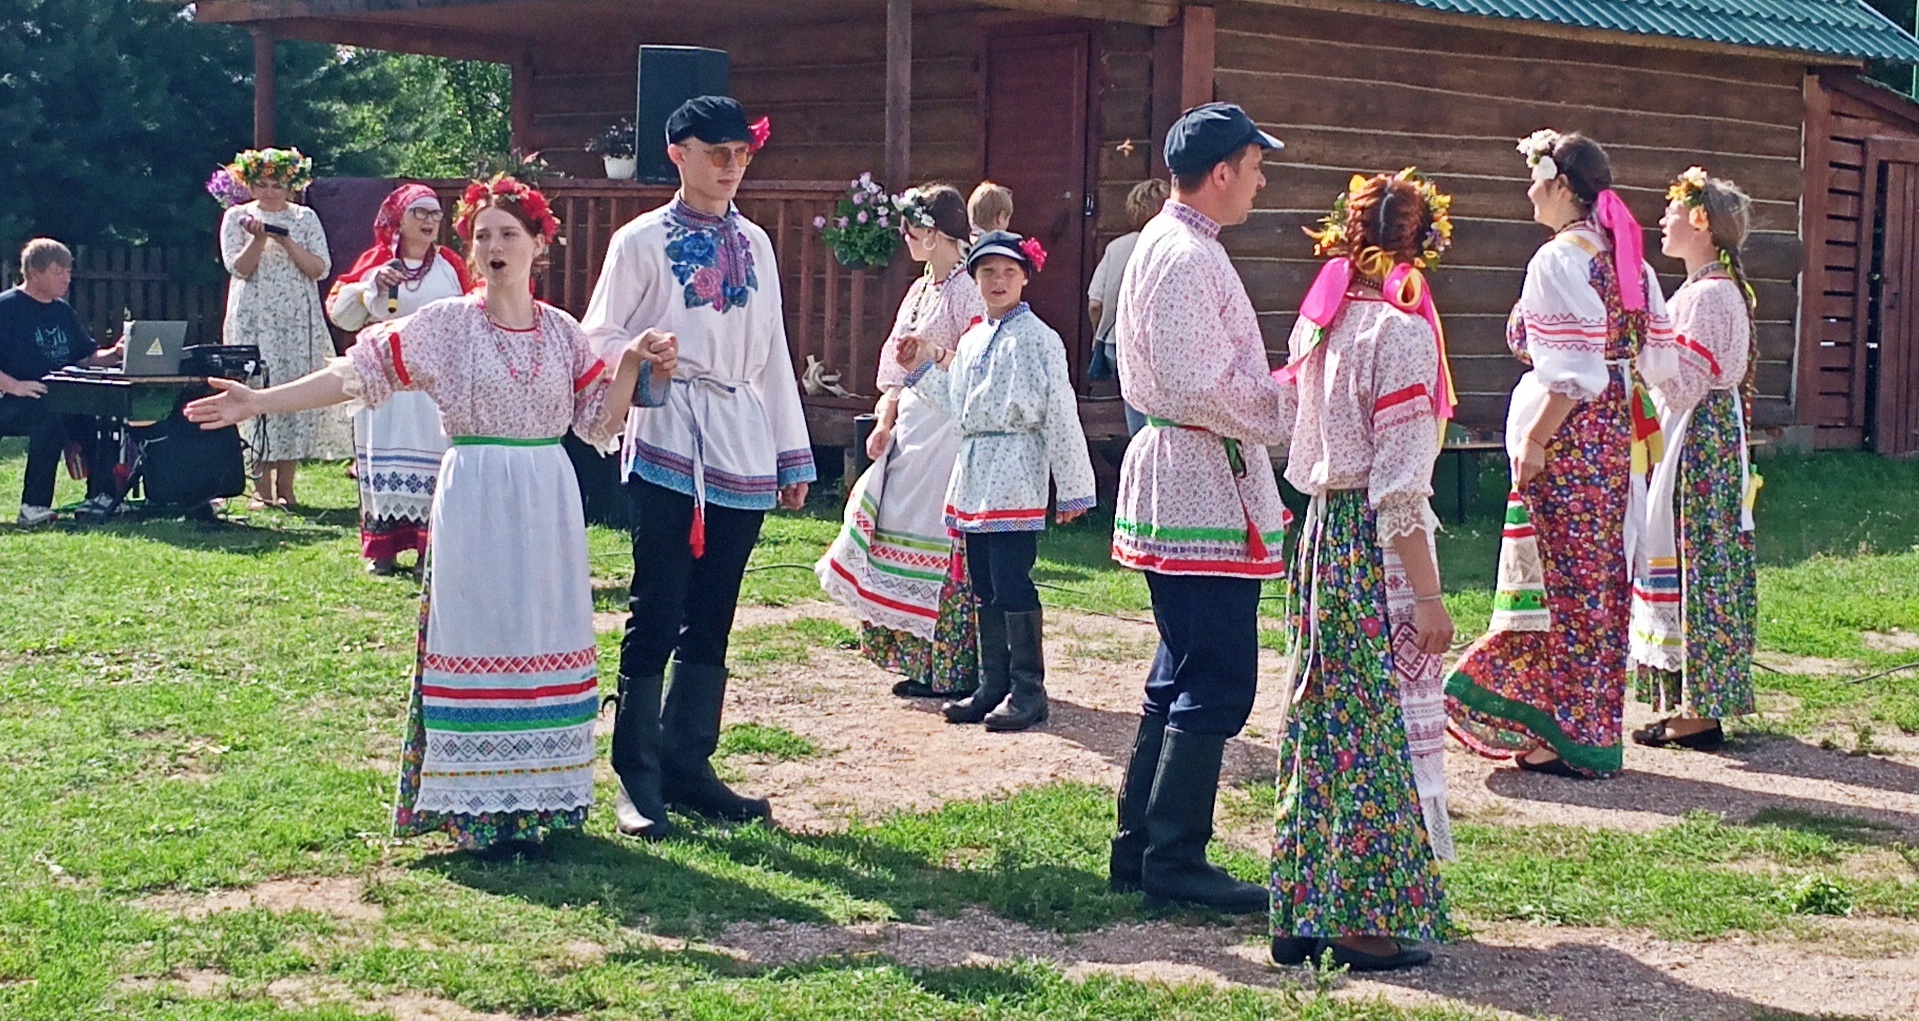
113, 113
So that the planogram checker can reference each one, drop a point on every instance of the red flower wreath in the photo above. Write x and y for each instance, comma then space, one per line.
1035, 253
524, 195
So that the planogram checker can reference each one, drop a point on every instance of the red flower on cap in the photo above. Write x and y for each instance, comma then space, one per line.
762, 130
1035, 253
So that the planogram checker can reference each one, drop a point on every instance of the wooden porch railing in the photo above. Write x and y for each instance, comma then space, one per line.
834, 314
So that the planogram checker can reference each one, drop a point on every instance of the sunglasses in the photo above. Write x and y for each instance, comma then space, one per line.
720, 158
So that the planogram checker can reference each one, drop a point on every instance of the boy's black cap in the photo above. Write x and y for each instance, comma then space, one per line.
715, 120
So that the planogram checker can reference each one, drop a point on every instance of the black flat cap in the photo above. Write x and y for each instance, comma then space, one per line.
715, 120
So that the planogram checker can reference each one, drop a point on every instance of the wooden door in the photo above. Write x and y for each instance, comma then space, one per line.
1035, 142
1892, 369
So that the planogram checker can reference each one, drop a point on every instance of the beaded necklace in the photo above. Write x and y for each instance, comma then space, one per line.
539, 344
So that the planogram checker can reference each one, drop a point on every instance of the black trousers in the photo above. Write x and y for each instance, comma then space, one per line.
1206, 671
1000, 566
679, 604
48, 434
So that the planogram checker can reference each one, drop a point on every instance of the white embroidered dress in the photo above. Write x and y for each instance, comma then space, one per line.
891, 557
732, 431
507, 683
1008, 391
1196, 490
397, 447
1366, 424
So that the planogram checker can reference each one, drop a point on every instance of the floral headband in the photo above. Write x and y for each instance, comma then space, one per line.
284, 166
913, 209
524, 195
1689, 189
1331, 237
1538, 150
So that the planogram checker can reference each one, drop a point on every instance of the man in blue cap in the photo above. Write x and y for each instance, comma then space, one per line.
1199, 508
702, 471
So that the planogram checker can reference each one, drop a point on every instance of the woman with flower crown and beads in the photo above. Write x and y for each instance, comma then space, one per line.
397, 447
499, 747
1006, 387
1546, 685
895, 561
1695, 592
274, 249
1362, 805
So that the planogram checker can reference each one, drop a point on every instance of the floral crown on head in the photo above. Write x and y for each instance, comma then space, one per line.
1538, 150
1689, 190
290, 167
913, 209
1332, 239
513, 189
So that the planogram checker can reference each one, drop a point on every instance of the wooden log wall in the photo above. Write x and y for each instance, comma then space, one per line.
1368, 94
822, 85
1833, 336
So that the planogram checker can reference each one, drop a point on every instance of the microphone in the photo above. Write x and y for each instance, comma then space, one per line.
393, 292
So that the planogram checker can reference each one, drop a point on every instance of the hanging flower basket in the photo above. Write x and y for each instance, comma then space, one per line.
864, 230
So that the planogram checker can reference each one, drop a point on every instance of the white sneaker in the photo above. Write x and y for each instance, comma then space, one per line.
98, 505
31, 515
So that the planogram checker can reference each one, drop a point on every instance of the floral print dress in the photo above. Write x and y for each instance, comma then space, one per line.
278, 309
1558, 676
1359, 827
1696, 591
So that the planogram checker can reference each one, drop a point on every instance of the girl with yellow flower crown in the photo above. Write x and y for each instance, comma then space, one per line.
1362, 807
1694, 590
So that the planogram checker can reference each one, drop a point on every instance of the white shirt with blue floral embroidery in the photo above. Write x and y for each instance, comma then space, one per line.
734, 406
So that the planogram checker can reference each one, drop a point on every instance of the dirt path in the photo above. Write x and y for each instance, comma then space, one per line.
882, 753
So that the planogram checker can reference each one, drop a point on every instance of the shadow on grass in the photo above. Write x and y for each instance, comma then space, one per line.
213, 535
1110, 735
708, 877
1640, 791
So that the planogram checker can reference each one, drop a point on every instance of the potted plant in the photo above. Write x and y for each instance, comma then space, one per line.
616, 146
864, 230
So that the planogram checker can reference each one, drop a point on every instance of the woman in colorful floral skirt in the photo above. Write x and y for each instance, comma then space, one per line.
1354, 862
895, 561
499, 745
1546, 685
1694, 591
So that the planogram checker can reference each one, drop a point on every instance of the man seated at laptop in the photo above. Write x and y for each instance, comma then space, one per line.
39, 333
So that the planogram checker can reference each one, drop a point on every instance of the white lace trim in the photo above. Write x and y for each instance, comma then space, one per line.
1403, 514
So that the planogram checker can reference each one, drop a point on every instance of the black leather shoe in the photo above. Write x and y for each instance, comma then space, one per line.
1409, 956
639, 810
1135, 791
1658, 736
1292, 950
914, 689
690, 733
1554, 766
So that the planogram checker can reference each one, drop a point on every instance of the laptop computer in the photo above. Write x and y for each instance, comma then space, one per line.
154, 346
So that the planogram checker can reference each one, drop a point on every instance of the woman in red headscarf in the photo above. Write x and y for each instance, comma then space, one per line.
397, 448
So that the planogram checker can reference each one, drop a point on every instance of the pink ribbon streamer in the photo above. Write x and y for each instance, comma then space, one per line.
1628, 245
1328, 297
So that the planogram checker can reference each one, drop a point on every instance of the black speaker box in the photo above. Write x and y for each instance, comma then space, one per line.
184, 465
669, 76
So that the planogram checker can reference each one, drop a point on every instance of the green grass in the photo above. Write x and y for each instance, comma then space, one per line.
192, 708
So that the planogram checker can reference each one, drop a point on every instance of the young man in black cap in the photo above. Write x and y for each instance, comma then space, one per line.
703, 470
1199, 508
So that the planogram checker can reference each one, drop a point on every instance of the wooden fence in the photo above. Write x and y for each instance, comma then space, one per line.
114, 283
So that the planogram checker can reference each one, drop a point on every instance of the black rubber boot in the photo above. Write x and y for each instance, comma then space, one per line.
1179, 824
994, 682
691, 733
1026, 669
1129, 845
639, 810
